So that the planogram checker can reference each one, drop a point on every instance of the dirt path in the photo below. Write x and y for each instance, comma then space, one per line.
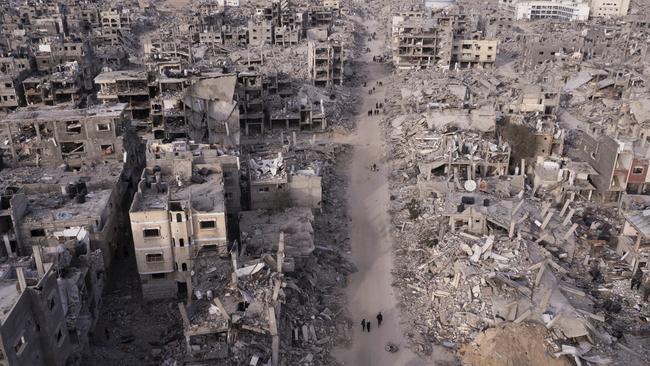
369, 290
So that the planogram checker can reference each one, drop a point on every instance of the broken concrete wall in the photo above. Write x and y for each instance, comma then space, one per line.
35, 332
212, 114
602, 154
305, 191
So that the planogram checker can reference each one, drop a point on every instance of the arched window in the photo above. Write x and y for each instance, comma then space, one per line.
179, 217
182, 242
184, 266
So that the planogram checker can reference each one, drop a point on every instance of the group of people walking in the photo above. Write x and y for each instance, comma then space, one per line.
365, 324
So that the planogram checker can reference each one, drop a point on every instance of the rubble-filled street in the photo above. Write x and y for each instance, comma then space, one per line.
324, 182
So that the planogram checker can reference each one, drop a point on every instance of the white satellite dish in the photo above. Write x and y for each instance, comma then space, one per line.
470, 186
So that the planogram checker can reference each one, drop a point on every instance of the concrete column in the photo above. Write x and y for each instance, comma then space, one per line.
517, 207
568, 217
5, 239
571, 230
532, 194
38, 258
545, 207
566, 205
547, 219
22, 283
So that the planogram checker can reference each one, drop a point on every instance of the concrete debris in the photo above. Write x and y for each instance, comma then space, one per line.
174, 181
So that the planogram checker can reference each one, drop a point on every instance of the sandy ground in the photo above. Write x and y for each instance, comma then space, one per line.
369, 290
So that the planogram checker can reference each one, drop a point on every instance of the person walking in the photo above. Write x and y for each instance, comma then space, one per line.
379, 319
363, 325
368, 326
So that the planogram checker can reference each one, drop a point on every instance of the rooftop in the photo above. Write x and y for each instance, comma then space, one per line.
207, 196
274, 168
101, 175
36, 113
46, 207
122, 75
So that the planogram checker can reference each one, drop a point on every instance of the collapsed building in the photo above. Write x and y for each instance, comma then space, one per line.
274, 182
50, 304
517, 188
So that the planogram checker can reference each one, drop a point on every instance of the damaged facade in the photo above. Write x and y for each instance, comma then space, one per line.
229, 162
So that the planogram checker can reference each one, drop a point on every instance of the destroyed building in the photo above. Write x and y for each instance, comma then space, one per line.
325, 63
483, 167
59, 134
447, 161
179, 211
426, 38
421, 42
213, 114
50, 306
276, 181
13, 71
65, 84
127, 86
47, 206
260, 234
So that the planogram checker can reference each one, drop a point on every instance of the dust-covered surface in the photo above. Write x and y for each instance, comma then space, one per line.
510, 344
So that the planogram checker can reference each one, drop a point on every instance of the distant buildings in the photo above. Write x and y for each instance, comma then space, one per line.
574, 10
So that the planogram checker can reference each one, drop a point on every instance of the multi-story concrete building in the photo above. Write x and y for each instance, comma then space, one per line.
49, 307
547, 9
421, 42
64, 85
59, 134
12, 71
326, 63
178, 212
116, 18
612, 158
126, 86
56, 52
33, 325
473, 52
260, 32
609, 8
332, 4
248, 93
82, 17
45, 207
320, 16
